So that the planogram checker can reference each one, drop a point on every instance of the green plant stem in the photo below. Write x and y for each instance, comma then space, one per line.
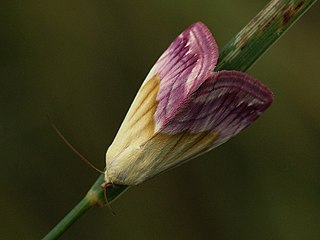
95, 196
240, 53
69, 219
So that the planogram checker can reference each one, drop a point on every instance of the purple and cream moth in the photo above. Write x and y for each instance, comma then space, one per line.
183, 109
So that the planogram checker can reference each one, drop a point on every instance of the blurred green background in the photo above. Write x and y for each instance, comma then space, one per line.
82, 63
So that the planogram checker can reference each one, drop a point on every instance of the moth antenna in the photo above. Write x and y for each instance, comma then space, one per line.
73, 148
105, 186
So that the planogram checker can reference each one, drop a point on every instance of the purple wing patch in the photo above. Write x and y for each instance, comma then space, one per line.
192, 98
182, 68
225, 103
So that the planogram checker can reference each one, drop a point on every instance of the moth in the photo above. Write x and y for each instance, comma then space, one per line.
183, 109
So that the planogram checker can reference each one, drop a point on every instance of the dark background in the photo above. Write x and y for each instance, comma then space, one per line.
82, 63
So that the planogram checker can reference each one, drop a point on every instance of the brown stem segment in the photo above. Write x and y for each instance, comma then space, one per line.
245, 48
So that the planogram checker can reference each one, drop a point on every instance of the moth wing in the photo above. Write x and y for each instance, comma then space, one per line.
182, 68
220, 108
182, 110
